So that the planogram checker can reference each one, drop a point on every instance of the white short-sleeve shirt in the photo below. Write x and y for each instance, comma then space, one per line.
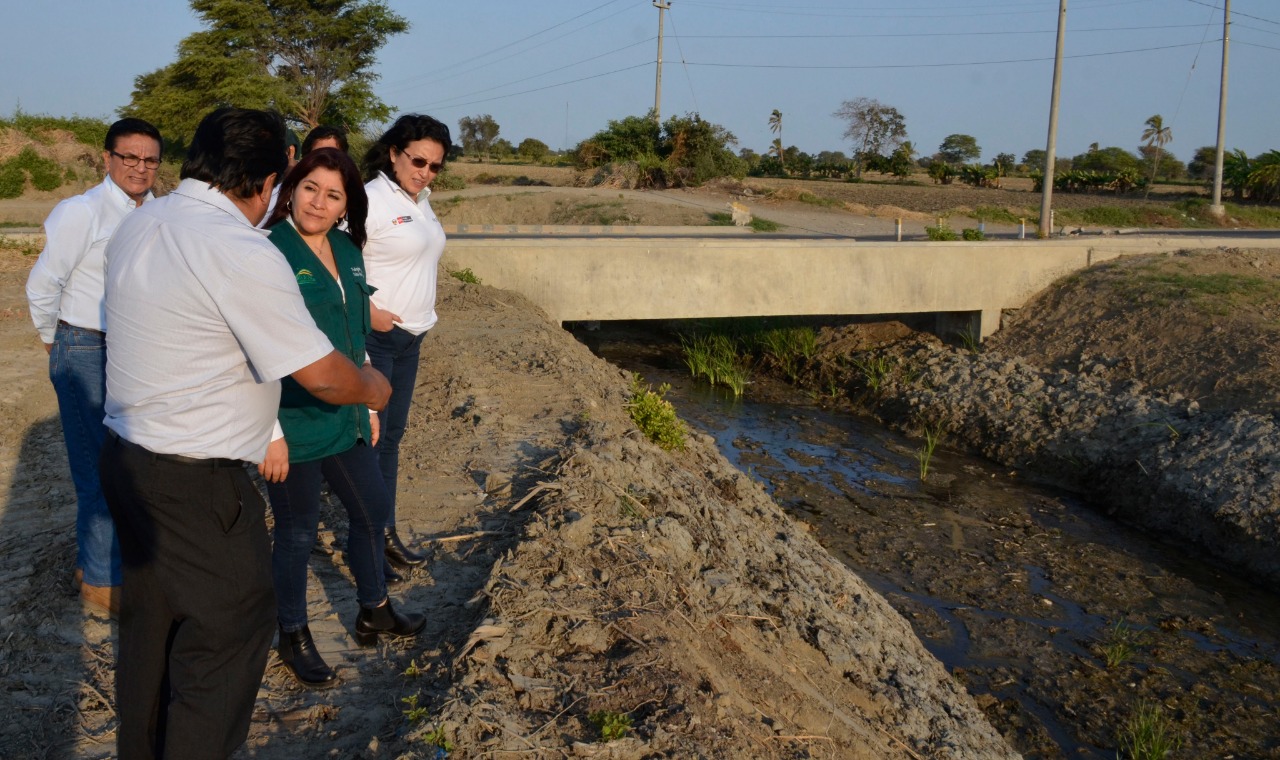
205, 319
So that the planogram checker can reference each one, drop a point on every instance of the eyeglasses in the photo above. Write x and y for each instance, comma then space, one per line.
150, 163
423, 163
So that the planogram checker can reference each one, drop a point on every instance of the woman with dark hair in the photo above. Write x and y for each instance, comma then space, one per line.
406, 241
316, 440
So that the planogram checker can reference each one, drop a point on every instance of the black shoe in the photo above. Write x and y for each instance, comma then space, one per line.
398, 553
386, 621
390, 575
298, 652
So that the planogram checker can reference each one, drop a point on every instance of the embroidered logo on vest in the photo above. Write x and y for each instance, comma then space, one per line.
305, 277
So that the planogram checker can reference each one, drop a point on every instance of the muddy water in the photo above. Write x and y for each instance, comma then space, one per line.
1061, 622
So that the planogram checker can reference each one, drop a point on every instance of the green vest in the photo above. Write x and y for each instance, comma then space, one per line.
312, 428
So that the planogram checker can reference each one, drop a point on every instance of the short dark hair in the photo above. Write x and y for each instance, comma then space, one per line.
324, 131
408, 128
126, 127
327, 158
236, 149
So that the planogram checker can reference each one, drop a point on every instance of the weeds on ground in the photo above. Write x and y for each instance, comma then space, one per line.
924, 455
971, 342
612, 725
817, 200
655, 416
720, 219
764, 225
941, 233
715, 357
465, 275
416, 712
1121, 644
789, 347
875, 371
1001, 215
972, 233
1148, 735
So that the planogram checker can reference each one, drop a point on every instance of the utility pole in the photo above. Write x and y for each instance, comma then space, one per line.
1216, 208
661, 5
1046, 202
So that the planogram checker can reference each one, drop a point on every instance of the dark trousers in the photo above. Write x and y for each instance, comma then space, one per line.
354, 476
394, 353
197, 608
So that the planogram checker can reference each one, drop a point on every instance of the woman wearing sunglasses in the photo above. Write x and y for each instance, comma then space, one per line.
402, 257
323, 442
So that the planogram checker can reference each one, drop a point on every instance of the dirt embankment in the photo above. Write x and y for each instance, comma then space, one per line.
575, 571
1148, 384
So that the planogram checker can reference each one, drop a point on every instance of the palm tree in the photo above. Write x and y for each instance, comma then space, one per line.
1156, 135
775, 126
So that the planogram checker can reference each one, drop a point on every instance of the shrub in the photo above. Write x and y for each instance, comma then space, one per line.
465, 275
972, 233
655, 416
447, 180
12, 180
941, 232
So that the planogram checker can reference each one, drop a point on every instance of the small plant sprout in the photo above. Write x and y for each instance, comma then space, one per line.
932, 434
875, 370
1148, 735
413, 671
1121, 644
612, 725
466, 275
970, 340
415, 713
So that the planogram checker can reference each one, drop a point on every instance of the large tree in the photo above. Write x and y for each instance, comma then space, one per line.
477, 133
873, 127
959, 149
312, 60
1156, 135
775, 126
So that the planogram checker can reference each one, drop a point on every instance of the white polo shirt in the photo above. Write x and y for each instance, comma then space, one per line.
403, 253
205, 319
67, 280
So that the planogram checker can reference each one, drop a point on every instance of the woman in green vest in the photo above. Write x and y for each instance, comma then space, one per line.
316, 441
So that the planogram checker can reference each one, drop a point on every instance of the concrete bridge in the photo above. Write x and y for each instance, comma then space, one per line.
685, 273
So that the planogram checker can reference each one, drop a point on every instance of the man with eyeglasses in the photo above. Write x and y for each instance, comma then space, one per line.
65, 293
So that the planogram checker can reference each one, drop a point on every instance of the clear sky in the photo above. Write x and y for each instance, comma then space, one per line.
558, 71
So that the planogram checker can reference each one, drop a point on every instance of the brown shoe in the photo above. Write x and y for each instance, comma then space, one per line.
103, 598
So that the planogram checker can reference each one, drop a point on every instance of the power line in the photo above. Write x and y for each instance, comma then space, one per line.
684, 64
1234, 13
558, 68
892, 12
1254, 44
935, 65
929, 34
414, 81
536, 89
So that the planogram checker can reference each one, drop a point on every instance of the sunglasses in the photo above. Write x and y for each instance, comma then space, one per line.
422, 163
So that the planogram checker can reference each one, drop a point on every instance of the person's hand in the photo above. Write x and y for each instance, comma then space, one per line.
275, 467
374, 427
382, 320
378, 387
48, 348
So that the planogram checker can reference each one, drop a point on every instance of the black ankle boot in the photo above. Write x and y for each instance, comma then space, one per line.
398, 553
389, 574
298, 652
386, 621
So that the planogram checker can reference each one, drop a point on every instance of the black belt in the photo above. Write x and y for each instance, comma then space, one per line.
89, 330
212, 463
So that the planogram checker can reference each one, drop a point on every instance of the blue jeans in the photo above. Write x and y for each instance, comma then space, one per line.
395, 354
78, 371
355, 479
